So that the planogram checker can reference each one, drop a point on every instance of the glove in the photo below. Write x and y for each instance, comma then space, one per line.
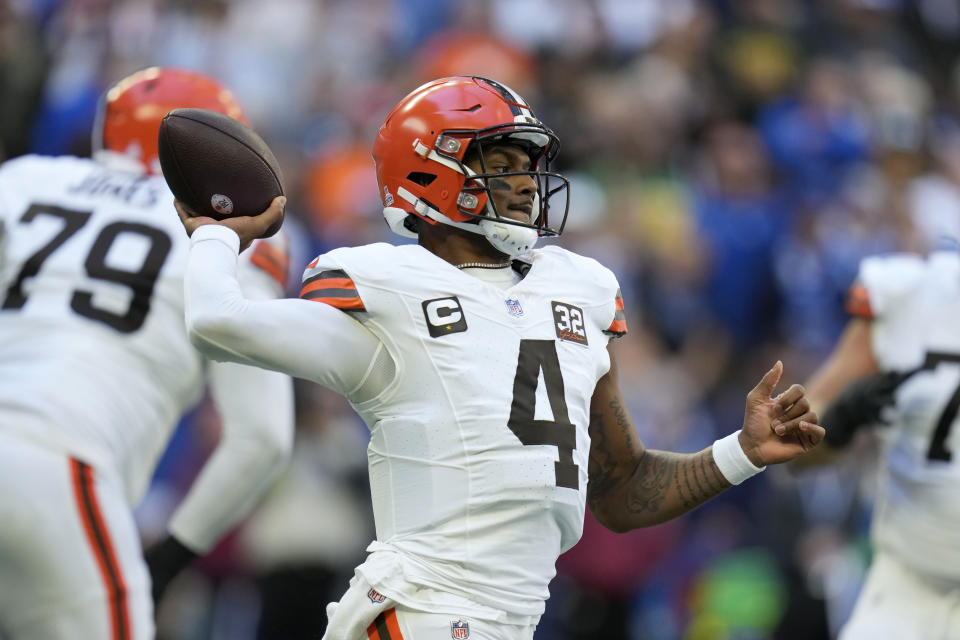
165, 560
860, 404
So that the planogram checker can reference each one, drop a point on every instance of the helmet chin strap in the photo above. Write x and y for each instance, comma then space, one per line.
510, 239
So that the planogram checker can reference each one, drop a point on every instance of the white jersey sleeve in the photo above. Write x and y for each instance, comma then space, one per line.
316, 342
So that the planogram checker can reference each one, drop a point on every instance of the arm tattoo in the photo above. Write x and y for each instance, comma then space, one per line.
602, 468
693, 478
610, 462
637, 487
650, 484
623, 422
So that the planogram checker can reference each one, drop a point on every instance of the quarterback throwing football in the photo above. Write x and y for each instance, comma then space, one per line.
480, 365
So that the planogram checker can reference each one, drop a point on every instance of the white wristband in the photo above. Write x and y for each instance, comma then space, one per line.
732, 461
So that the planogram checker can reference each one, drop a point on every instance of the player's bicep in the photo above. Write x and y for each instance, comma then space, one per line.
615, 445
305, 340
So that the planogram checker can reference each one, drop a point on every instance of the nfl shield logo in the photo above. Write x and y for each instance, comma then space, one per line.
513, 306
459, 629
375, 596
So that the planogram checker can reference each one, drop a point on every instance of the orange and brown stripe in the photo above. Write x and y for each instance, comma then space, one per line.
333, 287
98, 537
385, 627
619, 325
275, 261
858, 302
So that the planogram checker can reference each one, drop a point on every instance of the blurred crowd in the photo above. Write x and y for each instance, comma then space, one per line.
731, 160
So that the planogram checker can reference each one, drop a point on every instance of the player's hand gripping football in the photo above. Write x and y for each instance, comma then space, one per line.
778, 429
249, 228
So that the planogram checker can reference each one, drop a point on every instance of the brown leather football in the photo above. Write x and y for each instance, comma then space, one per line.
217, 166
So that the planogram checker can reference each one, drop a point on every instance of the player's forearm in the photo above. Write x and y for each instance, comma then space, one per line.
257, 413
229, 486
663, 485
214, 302
851, 359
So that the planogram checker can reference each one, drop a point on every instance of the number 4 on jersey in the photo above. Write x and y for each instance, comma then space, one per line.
536, 356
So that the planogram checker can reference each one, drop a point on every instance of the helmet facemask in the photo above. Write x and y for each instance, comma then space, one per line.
476, 199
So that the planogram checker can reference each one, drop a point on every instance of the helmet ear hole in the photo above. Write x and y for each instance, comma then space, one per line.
421, 178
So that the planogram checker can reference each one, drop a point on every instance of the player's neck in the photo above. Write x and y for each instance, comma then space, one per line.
461, 247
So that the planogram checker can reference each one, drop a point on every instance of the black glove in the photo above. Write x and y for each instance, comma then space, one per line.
165, 560
858, 405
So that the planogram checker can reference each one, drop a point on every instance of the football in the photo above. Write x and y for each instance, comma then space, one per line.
217, 166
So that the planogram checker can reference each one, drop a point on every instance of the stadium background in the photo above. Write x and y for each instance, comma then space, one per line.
731, 160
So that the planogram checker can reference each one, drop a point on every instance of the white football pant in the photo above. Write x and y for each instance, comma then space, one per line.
71, 564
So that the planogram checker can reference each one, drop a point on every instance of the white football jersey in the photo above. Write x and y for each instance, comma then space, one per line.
94, 356
479, 446
915, 306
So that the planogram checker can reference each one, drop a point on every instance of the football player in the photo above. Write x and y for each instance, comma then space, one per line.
480, 365
96, 369
897, 366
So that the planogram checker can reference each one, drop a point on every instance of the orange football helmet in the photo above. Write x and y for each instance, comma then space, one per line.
129, 115
419, 155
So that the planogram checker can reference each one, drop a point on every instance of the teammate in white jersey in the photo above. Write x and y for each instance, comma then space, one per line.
480, 365
96, 368
898, 363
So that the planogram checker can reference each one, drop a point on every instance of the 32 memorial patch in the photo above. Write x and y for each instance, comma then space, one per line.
568, 321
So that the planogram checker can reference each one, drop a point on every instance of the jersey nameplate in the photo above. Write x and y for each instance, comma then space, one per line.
444, 316
568, 320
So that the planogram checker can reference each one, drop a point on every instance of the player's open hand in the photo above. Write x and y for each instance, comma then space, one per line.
778, 429
249, 228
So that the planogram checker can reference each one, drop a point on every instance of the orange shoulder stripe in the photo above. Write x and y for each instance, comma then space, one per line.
355, 304
272, 270
272, 260
333, 287
329, 283
618, 327
619, 324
